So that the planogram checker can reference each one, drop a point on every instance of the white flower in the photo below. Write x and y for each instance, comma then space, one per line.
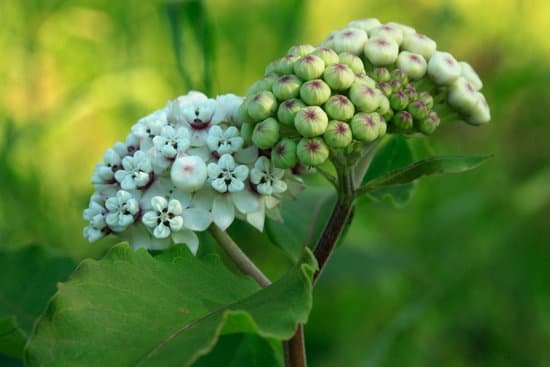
121, 211
189, 173
224, 141
227, 107
381, 50
149, 127
463, 96
443, 68
350, 40
414, 65
104, 173
365, 24
226, 176
95, 216
388, 31
468, 72
172, 141
419, 44
174, 108
136, 171
197, 114
268, 179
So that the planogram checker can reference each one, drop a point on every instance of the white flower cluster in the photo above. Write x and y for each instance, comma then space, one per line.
396, 44
181, 169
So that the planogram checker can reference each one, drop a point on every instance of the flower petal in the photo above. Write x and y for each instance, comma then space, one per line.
150, 219
196, 219
189, 238
223, 212
246, 201
159, 203
257, 219
161, 231
247, 155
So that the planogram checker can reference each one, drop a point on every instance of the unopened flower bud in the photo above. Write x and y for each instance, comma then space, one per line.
311, 121
285, 65
429, 124
328, 55
381, 74
350, 40
283, 155
315, 92
188, 173
395, 85
363, 78
403, 27
388, 31
419, 44
382, 126
242, 112
427, 98
481, 114
381, 51
410, 92
414, 65
403, 121
365, 24
339, 107
364, 126
353, 61
462, 95
401, 76
339, 76
262, 105
288, 109
384, 103
468, 72
286, 87
338, 134
246, 132
260, 86
443, 68
365, 98
418, 110
301, 50
266, 133
386, 88
309, 67
399, 101
312, 152
388, 116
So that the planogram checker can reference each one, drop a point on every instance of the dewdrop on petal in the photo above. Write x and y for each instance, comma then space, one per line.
414, 65
286, 87
468, 72
443, 68
309, 67
312, 151
419, 44
288, 109
311, 121
381, 51
350, 40
188, 173
338, 134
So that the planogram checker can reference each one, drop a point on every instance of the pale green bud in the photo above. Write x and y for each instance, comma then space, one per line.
259, 86
339, 76
339, 107
403, 121
381, 75
418, 110
309, 67
285, 65
246, 132
301, 50
401, 76
410, 92
288, 109
414, 65
311, 121
338, 134
312, 152
468, 72
266, 133
283, 154
315, 92
365, 24
399, 101
382, 127
363, 78
262, 105
462, 95
286, 87
419, 44
384, 104
481, 114
327, 55
407, 30
386, 88
350, 40
365, 98
381, 51
443, 68
427, 98
364, 126
352, 61
242, 112
388, 31
429, 124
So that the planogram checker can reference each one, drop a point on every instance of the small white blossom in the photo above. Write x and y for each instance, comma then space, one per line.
268, 179
350, 40
381, 50
95, 216
198, 117
104, 173
227, 107
419, 44
224, 141
172, 141
121, 210
136, 171
468, 72
443, 68
388, 31
226, 176
165, 217
149, 127
414, 65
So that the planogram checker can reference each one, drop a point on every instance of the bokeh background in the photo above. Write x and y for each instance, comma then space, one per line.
458, 277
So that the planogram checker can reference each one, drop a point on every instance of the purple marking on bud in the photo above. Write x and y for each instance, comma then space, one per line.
316, 84
449, 61
341, 100
285, 78
308, 59
290, 103
415, 58
313, 146
280, 149
382, 42
310, 114
368, 120
341, 128
348, 34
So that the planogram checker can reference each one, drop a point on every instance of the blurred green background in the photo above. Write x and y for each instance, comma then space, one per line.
458, 277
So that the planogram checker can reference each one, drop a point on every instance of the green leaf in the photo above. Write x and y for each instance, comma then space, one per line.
394, 153
27, 281
426, 167
132, 309
303, 220
12, 338
243, 350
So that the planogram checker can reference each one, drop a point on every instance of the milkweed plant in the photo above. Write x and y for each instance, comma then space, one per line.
203, 162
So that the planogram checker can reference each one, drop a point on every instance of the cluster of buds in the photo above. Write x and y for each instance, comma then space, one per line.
181, 169
363, 81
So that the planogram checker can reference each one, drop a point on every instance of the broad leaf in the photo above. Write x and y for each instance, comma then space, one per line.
394, 153
132, 309
12, 338
425, 167
303, 220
